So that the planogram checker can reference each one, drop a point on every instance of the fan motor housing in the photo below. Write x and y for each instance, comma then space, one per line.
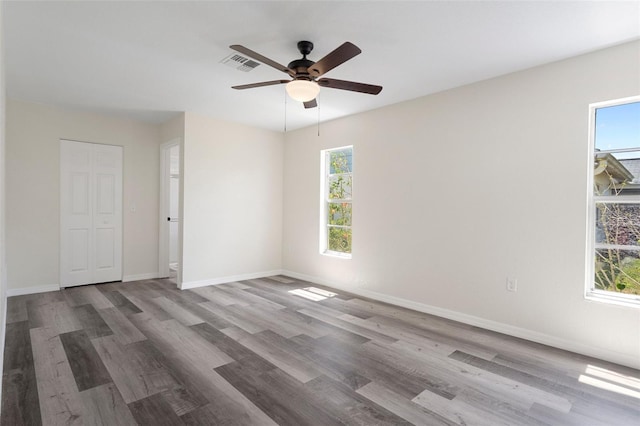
300, 66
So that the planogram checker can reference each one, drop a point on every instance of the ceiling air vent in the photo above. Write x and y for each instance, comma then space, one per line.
239, 62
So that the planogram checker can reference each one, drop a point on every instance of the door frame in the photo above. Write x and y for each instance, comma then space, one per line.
163, 236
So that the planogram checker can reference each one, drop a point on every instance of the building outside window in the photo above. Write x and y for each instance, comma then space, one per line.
614, 250
336, 204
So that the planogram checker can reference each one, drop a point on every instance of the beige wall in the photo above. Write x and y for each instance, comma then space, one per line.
3, 266
33, 218
457, 191
173, 128
232, 200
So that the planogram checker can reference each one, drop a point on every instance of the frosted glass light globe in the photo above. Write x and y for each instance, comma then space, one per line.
302, 90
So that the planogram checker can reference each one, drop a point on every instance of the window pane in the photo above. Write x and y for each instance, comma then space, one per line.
339, 239
618, 224
336, 211
618, 271
616, 173
618, 127
340, 161
339, 214
340, 187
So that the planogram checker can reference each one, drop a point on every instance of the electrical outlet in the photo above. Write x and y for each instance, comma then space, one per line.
512, 284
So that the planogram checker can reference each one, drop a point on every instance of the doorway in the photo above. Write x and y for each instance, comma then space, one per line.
170, 224
90, 213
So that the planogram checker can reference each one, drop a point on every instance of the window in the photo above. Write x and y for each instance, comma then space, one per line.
615, 202
336, 203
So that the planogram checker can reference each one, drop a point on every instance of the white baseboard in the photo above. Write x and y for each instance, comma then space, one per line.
55, 287
138, 277
222, 280
3, 331
523, 333
32, 290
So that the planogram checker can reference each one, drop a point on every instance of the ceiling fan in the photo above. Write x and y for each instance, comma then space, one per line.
305, 85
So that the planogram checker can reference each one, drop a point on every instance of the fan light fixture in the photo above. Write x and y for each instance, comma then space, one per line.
302, 90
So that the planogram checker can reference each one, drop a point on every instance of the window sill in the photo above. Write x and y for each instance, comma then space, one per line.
336, 254
629, 301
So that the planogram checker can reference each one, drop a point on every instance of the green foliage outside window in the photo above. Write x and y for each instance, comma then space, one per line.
617, 224
339, 240
339, 207
616, 269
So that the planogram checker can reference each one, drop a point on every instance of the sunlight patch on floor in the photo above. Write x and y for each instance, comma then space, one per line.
313, 293
611, 381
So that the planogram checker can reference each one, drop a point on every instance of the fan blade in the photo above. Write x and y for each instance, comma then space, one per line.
339, 56
311, 104
350, 85
264, 83
260, 58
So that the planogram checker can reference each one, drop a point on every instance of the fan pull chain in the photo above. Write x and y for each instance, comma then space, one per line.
318, 117
285, 110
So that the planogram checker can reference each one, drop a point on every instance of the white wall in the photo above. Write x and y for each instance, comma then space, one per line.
457, 191
232, 201
32, 190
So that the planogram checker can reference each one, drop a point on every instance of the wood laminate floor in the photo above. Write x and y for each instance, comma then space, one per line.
267, 351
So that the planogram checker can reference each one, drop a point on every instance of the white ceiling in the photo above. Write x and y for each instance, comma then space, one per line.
149, 60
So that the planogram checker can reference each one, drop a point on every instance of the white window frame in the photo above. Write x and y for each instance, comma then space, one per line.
324, 203
591, 293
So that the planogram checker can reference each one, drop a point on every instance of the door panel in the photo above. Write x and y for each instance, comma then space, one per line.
80, 193
105, 243
105, 187
79, 251
90, 213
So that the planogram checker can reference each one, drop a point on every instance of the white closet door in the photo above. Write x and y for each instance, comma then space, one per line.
90, 213
108, 213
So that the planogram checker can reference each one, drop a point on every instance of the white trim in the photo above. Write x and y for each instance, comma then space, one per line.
139, 277
619, 150
523, 333
616, 199
3, 333
32, 290
55, 287
601, 246
615, 102
232, 278
621, 299
3, 325
591, 207
322, 239
336, 254
4, 321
